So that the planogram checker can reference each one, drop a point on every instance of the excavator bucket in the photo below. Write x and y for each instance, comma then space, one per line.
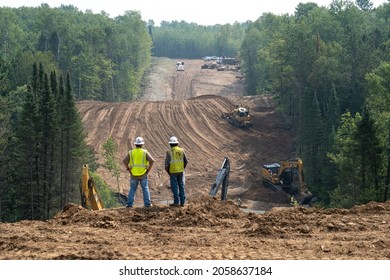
222, 178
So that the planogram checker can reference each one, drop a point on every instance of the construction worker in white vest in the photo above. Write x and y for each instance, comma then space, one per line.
139, 163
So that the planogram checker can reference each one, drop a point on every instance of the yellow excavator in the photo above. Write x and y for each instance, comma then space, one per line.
288, 178
89, 195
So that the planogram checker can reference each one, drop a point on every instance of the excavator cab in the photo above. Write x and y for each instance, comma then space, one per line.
286, 177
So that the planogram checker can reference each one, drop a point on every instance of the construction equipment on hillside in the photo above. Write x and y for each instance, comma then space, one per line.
89, 195
288, 178
210, 65
222, 178
240, 117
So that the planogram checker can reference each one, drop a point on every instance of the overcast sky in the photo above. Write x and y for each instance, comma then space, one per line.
203, 12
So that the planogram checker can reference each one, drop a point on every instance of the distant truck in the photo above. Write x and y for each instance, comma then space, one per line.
180, 66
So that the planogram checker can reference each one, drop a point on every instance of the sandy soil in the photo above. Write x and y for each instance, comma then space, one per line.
189, 105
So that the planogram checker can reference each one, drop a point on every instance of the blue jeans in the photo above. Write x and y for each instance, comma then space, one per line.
178, 188
133, 189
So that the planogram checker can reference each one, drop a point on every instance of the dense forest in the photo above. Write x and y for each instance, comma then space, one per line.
193, 41
328, 69
106, 58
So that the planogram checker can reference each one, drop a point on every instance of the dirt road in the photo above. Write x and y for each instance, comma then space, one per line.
189, 105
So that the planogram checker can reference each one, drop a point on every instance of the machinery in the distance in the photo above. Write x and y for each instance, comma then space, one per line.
239, 117
288, 178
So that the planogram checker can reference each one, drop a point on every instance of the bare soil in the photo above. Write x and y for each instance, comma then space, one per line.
189, 104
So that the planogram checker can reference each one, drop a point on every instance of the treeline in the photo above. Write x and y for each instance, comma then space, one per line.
328, 69
190, 40
106, 58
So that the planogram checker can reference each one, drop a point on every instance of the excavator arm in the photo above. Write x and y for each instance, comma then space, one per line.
89, 195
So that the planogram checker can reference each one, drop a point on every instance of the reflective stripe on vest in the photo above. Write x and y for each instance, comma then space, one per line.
177, 160
138, 161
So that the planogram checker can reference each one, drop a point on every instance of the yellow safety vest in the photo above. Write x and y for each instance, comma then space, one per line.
177, 160
138, 161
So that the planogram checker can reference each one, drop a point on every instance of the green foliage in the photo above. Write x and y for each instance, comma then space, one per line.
110, 150
364, 4
106, 57
378, 104
45, 149
358, 154
315, 65
190, 40
347, 161
110, 200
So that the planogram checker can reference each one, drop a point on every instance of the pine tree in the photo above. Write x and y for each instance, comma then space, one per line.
28, 141
369, 151
74, 145
49, 153
312, 138
48, 116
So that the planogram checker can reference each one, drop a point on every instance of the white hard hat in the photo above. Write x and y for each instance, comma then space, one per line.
139, 141
173, 140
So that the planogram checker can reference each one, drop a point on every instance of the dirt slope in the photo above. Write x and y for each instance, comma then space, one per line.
189, 104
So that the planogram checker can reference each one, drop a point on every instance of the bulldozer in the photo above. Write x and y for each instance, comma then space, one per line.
287, 177
239, 117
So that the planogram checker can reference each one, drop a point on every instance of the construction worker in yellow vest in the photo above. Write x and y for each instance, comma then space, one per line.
138, 162
175, 163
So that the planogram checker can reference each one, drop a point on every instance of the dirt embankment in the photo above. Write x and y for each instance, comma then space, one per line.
206, 229
189, 105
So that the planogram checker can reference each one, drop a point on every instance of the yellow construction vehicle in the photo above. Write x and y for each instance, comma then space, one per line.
288, 178
239, 117
89, 195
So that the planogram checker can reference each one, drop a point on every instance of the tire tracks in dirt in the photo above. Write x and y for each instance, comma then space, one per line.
194, 116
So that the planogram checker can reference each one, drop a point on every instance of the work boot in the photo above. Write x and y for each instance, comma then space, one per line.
174, 205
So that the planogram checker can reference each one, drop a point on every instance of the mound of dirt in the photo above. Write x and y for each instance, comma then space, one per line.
205, 229
205, 211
